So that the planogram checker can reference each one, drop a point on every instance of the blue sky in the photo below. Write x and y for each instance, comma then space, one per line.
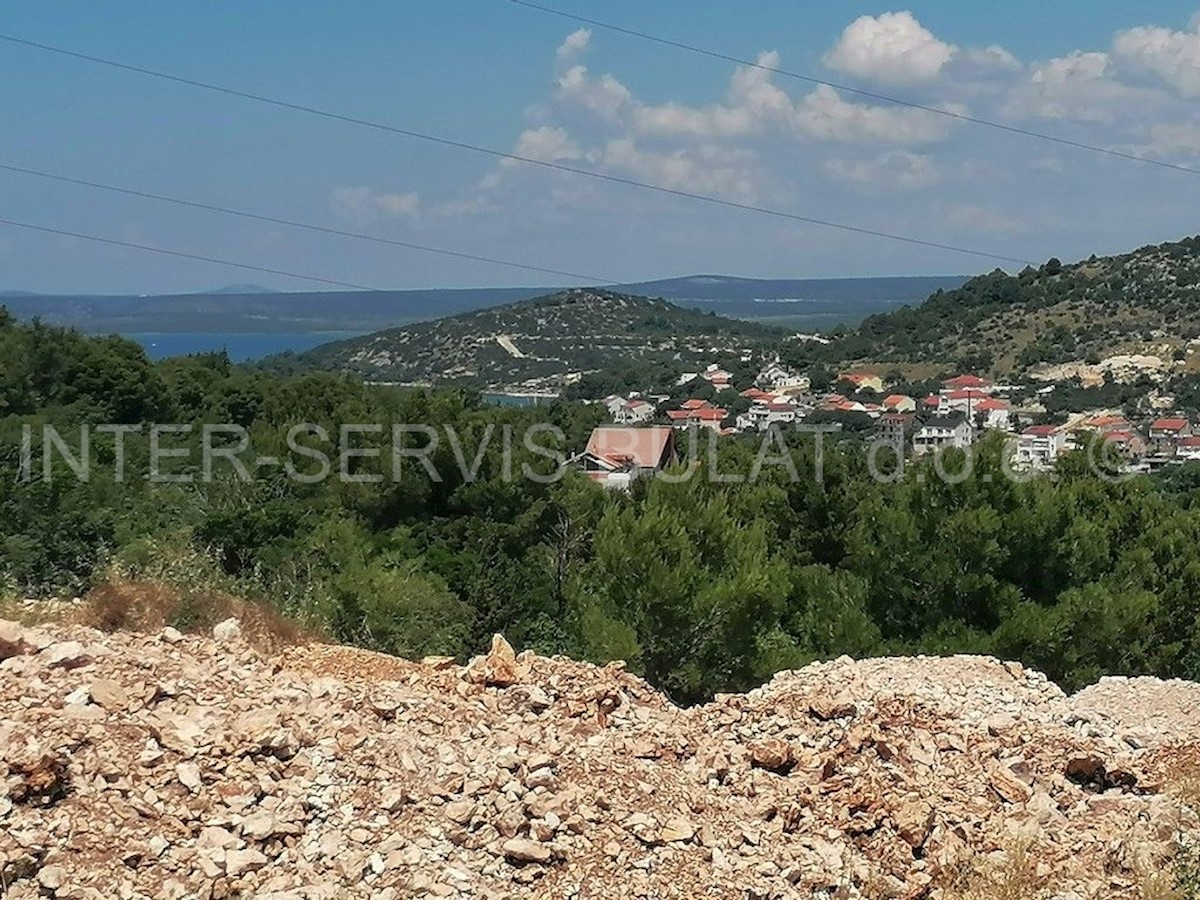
1115, 74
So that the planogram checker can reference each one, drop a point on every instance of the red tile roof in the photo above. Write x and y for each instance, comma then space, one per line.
695, 404
967, 394
1041, 430
932, 400
990, 403
1192, 440
1115, 423
642, 447
967, 381
896, 400
857, 377
756, 394
708, 414
1169, 424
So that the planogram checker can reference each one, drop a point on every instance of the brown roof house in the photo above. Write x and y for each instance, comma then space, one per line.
1165, 434
616, 456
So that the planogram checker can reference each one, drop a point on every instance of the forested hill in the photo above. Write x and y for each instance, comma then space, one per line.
572, 331
1144, 301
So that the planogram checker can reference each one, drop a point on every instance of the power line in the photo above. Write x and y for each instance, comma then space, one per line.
292, 223
501, 154
872, 95
61, 232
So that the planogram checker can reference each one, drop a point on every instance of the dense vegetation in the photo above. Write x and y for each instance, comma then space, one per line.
1053, 314
547, 337
701, 585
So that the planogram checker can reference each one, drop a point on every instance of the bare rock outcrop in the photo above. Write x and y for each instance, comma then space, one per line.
163, 765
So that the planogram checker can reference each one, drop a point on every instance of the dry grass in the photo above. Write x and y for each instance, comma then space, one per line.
122, 604
1011, 874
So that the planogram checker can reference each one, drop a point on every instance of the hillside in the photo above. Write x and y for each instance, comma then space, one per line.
545, 338
1146, 301
177, 766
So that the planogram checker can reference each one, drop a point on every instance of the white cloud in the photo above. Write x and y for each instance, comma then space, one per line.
827, 153
708, 169
547, 143
605, 96
826, 115
675, 119
893, 48
1174, 56
365, 204
1080, 87
752, 102
1172, 139
898, 169
575, 43
992, 57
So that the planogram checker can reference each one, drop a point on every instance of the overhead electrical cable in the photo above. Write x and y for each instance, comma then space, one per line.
861, 92
182, 254
501, 154
293, 223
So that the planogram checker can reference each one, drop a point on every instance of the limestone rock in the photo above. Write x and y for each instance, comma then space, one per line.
522, 850
227, 632
12, 640
170, 766
109, 694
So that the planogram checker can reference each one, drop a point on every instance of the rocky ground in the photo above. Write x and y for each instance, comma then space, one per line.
164, 765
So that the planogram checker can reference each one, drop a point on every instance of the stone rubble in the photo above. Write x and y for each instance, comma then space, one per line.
176, 766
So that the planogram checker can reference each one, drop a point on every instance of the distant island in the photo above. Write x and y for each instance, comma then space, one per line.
250, 309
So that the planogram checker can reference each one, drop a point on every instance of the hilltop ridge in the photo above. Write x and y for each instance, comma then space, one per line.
182, 766
548, 337
1147, 299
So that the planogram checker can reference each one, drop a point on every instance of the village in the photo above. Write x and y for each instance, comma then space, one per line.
954, 415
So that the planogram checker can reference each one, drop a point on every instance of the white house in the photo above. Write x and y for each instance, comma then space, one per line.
1039, 446
781, 380
616, 457
613, 403
718, 377
942, 432
763, 415
1188, 448
899, 403
993, 413
634, 412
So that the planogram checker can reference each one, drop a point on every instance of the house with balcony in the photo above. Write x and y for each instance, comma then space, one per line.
938, 433
1039, 447
616, 457
634, 412
1188, 448
762, 415
698, 412
1166, 433
896, 429
781, 380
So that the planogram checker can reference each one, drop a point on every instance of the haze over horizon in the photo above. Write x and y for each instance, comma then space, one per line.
522, 81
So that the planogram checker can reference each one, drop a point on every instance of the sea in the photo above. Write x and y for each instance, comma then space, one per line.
241, 347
